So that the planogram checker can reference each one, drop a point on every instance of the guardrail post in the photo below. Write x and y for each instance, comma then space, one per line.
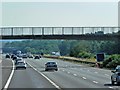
32, 31
12, 31
62, 30
72, 30
52, 30
82, 30
42, 30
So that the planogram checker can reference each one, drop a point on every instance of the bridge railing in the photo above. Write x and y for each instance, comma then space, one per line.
13, 31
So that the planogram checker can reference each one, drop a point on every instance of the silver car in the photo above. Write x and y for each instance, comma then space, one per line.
116, 75
51, 65
21, 64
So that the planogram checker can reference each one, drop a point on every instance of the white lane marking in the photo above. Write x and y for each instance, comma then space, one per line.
110, 87
75, 74
10, 77
95, 81
106, 74
68, 72
84, 77
35, 69
46, 78
63, 70
95, 72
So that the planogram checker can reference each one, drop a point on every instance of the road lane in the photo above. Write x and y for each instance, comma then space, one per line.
6, 70
29, 78
74, 79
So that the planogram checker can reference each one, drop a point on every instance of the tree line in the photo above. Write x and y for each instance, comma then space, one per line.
66, 47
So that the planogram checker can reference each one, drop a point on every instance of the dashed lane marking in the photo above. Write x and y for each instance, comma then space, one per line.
84, 77
96, 72
106, 74
75, 74
95, 81
68, 72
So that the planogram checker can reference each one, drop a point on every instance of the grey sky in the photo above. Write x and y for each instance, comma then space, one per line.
60, 14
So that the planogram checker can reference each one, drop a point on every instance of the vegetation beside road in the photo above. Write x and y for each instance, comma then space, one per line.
73, 49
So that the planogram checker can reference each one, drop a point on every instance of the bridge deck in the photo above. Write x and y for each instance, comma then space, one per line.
80, 33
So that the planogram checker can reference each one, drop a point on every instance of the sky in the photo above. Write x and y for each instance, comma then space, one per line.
60, 14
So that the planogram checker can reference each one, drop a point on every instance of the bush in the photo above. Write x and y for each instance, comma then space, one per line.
112, 61
84, 55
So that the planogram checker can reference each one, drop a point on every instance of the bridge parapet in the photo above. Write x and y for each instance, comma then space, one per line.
59, 32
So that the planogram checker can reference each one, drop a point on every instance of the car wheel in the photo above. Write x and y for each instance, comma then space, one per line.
46, 69
25, 67
16, 68
56, 69
113, 82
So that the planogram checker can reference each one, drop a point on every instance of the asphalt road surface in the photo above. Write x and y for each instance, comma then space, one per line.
6, 70
69, 75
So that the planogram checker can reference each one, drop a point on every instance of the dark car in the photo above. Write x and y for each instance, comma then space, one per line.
51, 65
7, 56
40, 56
14, 57
37, 57
24, 56
115, 78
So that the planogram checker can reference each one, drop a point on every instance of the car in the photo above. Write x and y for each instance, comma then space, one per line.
14, 57
18, 59
115, 77
40, 56
51, 65
7, 56
30, 56
21, 64
24, 56
37, 57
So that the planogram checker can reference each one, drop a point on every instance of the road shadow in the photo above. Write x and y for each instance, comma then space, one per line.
20, 69
47, 71
111, 84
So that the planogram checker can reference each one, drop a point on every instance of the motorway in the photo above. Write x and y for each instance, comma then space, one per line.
69, 75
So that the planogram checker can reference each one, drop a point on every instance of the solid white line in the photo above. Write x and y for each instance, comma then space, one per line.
95, 82
10, 77
84, 77
46, 77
